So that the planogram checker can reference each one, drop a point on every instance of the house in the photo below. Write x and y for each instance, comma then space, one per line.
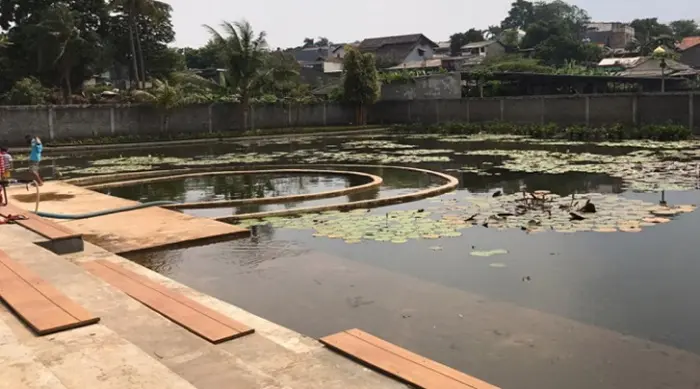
394, 50
324, 59
338, 51
486, 49
475, 53
615, 35
443, 49
647, 67
690, 51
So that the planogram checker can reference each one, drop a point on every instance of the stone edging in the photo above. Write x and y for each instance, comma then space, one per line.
375, 181
451, 184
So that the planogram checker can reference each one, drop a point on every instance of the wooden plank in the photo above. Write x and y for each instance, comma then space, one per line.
46, 228
167, 304
428, 363
216, 316
400, 363
40, 305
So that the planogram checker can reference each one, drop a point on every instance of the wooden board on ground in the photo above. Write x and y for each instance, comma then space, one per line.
47, 228
124, 232
400, 363
43, 308
186, 312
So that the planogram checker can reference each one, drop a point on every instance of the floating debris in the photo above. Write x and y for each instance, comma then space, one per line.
489, 253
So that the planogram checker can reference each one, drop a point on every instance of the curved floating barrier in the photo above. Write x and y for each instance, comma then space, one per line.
374, 182
116, 180
450, 184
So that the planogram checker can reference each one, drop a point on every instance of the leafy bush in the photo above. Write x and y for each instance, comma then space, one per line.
27, 91
615, 132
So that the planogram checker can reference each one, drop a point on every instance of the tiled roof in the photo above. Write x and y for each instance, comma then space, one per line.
392, 50
689, 42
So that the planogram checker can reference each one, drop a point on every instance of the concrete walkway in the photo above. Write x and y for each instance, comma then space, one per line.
135, 347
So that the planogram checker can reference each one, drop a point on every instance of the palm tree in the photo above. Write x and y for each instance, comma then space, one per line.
183, 89
244, 53
133, 10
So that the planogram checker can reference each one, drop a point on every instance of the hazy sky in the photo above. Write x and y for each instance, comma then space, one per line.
288, 22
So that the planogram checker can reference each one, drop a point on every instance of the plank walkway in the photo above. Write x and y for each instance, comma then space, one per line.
43, 308
188, 313
400, 363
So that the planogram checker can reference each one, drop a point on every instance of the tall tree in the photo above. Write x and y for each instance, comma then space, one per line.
520, 16
649, 34
360, 81
557, 32
24, 59
155, 32
62, 45
684, 28
205, 57
244, 52
308, 42
135, 9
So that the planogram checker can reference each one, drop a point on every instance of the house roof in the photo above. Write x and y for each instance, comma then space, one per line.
689, 42
476, 45
651, 67
310, 54
393, 49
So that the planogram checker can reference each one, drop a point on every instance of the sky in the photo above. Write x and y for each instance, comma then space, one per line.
288, 22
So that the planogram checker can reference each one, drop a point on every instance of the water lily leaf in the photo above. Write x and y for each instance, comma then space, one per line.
498, 265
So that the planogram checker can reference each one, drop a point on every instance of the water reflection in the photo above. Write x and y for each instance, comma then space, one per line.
232, 187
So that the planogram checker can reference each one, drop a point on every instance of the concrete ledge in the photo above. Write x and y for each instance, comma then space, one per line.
451, 184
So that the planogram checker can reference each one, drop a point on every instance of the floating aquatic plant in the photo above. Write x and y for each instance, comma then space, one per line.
529, 212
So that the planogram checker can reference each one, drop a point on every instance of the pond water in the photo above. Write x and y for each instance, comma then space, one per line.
505, 289
233, 187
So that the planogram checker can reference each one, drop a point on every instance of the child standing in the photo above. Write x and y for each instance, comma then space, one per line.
35, 157
6, 163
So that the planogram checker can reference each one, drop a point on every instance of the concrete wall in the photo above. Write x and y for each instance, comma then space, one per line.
592, 110
71, 122
75, 122
434, 86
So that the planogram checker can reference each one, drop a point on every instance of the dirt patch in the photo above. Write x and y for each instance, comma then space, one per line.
48, 196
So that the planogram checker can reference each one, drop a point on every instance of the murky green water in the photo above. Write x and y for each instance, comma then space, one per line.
556, 306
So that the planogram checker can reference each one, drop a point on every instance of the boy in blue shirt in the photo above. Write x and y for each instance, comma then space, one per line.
35, 157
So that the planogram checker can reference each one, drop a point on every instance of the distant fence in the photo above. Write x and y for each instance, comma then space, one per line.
589, 110
63, 122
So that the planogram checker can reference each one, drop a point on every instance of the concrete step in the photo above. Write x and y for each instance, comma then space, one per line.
89, 357
19, 367
132, 340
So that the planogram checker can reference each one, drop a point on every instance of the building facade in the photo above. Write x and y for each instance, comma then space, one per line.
614, 35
